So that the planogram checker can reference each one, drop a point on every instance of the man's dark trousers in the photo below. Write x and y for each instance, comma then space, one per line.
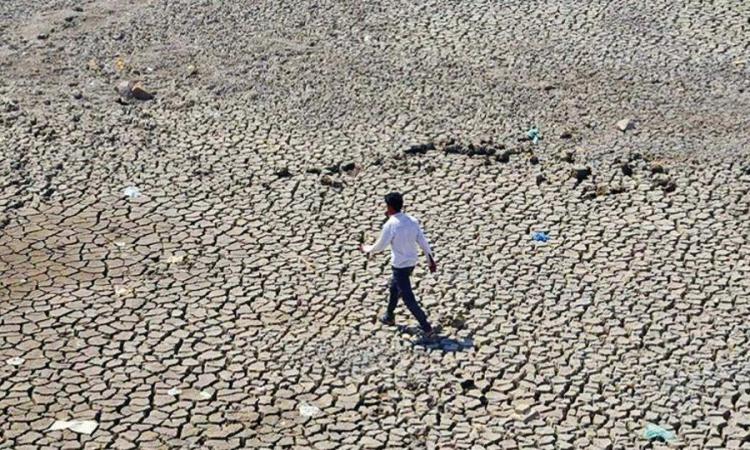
401, 287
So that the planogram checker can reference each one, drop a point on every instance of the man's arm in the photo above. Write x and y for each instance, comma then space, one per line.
425, 245
386, 236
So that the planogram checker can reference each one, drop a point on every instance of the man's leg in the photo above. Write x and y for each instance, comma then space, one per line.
393, 296
404, 284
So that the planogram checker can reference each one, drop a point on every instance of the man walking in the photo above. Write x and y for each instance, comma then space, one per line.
403, 233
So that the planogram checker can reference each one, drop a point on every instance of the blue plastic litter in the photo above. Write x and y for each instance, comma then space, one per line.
534, 135
540, 236
657, 433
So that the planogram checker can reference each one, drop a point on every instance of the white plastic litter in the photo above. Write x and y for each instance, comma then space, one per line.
205, 394
79, 426
308, 410
15, 361
131, 192
174, 391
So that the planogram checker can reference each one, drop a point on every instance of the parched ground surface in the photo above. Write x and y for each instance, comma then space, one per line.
227, 307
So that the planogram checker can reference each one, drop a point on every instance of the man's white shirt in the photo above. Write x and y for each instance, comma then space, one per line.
404, 234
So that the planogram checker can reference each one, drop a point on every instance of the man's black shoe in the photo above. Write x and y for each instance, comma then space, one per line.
387, 319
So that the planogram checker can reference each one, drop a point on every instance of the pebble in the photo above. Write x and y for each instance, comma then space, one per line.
625, 125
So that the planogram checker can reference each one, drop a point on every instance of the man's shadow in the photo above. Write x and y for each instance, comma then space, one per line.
438, 342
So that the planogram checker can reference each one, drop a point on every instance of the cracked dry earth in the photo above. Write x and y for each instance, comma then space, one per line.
223, 303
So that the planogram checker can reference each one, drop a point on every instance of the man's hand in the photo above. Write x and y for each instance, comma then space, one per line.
432, 266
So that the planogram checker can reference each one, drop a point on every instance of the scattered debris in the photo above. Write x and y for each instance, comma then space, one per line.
15, 361
657, 433
283, 173
569, 156
534, 135
625, 125
657, 168
503, 157
566, 135
580, 173
306, 410
420, 149
325, 180
663, 181
79, 426
540, 179
627, 169
540, 236
174, 391
141, 94
348, 167
131, 192
133, 89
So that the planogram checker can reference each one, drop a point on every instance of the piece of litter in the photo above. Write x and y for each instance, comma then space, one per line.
308, 410
205, 394
79, 426
174, 391
15, 361
540, 236
131, 192
657, 433
534, 135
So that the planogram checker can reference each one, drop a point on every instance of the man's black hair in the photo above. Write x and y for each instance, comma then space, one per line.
394, 200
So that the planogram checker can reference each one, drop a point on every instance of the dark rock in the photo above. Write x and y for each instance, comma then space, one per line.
283, 173
566, 135
658, 168
348, 167
468, 385
132, 89
42, 36
420, 149
569, 156
142, 94
540, 179
334, 169
313, 170
454, 149
325, 180
534, 160
503, 157
663, 181
627, 169
580, 173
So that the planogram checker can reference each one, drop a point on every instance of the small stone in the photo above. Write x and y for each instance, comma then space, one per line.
42, 36
540, 179
580, 173
283, 173
420, 149
348, 167
125, 89
627, 169
566, 135
141, 94
534, 160
569, 156
326, 180
625, 125
657, 168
